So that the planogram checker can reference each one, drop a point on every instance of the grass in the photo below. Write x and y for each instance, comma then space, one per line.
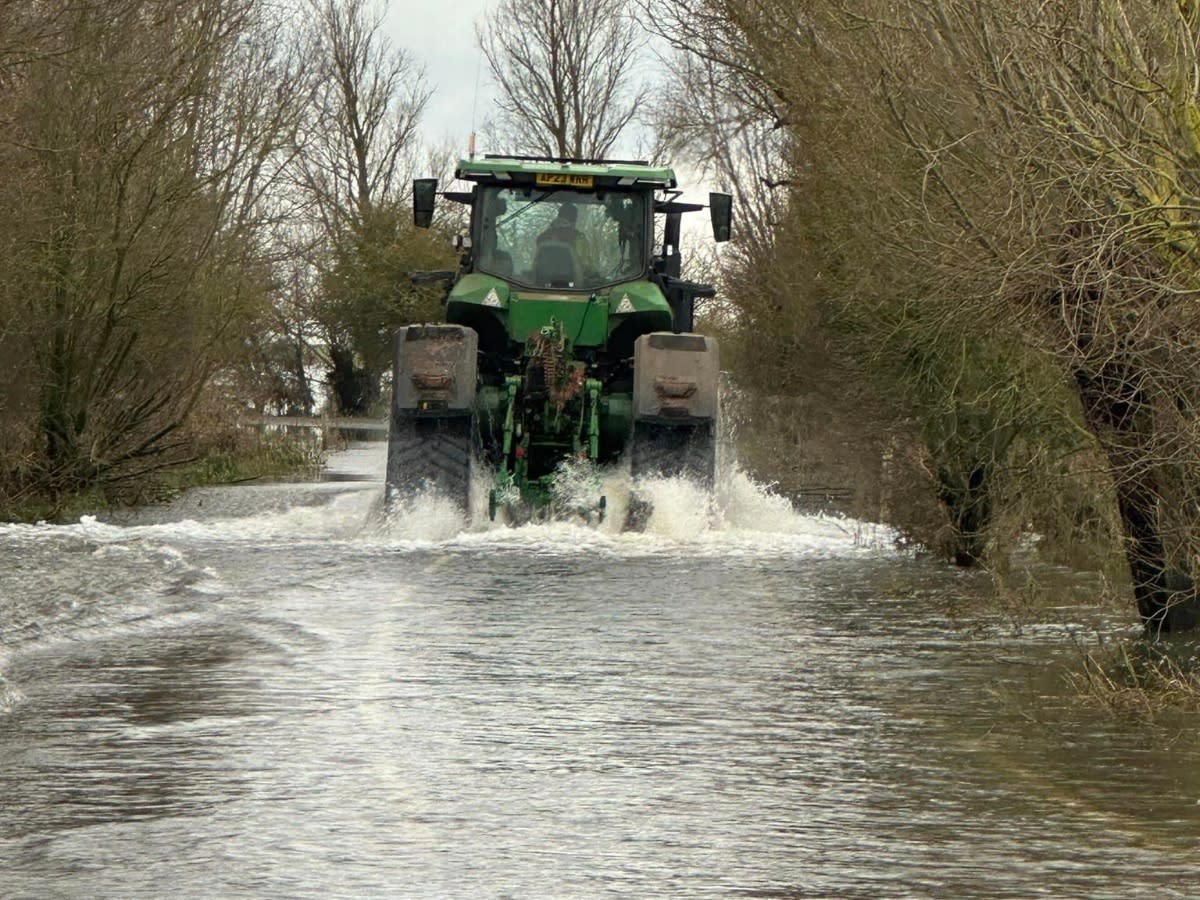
1140, 676
253, 457
232, 456
67, 508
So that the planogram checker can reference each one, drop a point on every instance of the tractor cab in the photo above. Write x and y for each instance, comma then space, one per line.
579, 235
564, 240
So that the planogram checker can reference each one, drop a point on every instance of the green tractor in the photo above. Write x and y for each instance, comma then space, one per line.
567, 338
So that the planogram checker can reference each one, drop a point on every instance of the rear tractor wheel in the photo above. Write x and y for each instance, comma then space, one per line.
431, 435
675, 406
430, 456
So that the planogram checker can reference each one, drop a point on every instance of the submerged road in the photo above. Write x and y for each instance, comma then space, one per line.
264, 691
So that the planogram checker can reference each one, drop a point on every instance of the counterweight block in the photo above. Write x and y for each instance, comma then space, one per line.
675, 407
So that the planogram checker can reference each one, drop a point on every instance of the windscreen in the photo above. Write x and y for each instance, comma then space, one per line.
561, 239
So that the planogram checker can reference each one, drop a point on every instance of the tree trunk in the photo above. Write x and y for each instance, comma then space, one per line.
304, 395
355, 389
967, 498
60, 425
1115, 410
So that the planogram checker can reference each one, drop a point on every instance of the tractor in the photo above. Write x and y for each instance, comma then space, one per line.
567, 338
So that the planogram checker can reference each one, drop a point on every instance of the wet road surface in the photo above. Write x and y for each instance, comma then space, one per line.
262, 691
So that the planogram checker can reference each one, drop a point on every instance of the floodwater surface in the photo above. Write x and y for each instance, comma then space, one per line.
266, 691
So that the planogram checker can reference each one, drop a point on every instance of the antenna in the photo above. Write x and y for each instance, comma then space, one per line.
475, 99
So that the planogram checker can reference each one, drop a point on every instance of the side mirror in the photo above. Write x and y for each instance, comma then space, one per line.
424, 198
720, 207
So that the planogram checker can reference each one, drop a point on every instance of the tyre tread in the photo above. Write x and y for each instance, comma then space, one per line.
430, 454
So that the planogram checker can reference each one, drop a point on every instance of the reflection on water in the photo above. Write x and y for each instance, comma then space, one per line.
259, 693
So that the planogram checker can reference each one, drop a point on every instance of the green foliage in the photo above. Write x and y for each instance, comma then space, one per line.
366, 295
233, 455
245, 454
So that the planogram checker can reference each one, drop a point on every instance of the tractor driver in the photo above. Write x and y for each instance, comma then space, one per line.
564, 230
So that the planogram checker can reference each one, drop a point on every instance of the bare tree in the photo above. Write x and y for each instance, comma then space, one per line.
1054, 197
357, 155
998, 201
147, 136
707, 122
367, 104
566, 73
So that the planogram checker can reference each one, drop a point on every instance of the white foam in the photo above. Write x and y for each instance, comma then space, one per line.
679, 509
739, 517
426, 517
10, 696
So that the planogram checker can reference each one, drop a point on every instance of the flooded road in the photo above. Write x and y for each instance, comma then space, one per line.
262, 692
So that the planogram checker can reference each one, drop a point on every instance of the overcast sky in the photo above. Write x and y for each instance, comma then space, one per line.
440, 34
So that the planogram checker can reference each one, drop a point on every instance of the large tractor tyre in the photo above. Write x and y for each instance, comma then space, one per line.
675, 404
674, 451
430, 455
668, 451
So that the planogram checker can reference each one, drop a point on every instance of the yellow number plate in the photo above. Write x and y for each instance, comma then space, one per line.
564, 179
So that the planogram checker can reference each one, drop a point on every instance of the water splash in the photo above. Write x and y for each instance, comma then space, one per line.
739, 515
10, 696
675, 508
426, 516
579, 490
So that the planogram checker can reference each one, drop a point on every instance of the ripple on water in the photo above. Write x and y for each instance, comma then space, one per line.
263, 696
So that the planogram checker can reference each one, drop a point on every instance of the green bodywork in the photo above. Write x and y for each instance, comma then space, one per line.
587, 318
555, 373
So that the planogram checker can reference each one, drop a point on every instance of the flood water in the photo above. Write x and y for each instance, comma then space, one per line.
262, 691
